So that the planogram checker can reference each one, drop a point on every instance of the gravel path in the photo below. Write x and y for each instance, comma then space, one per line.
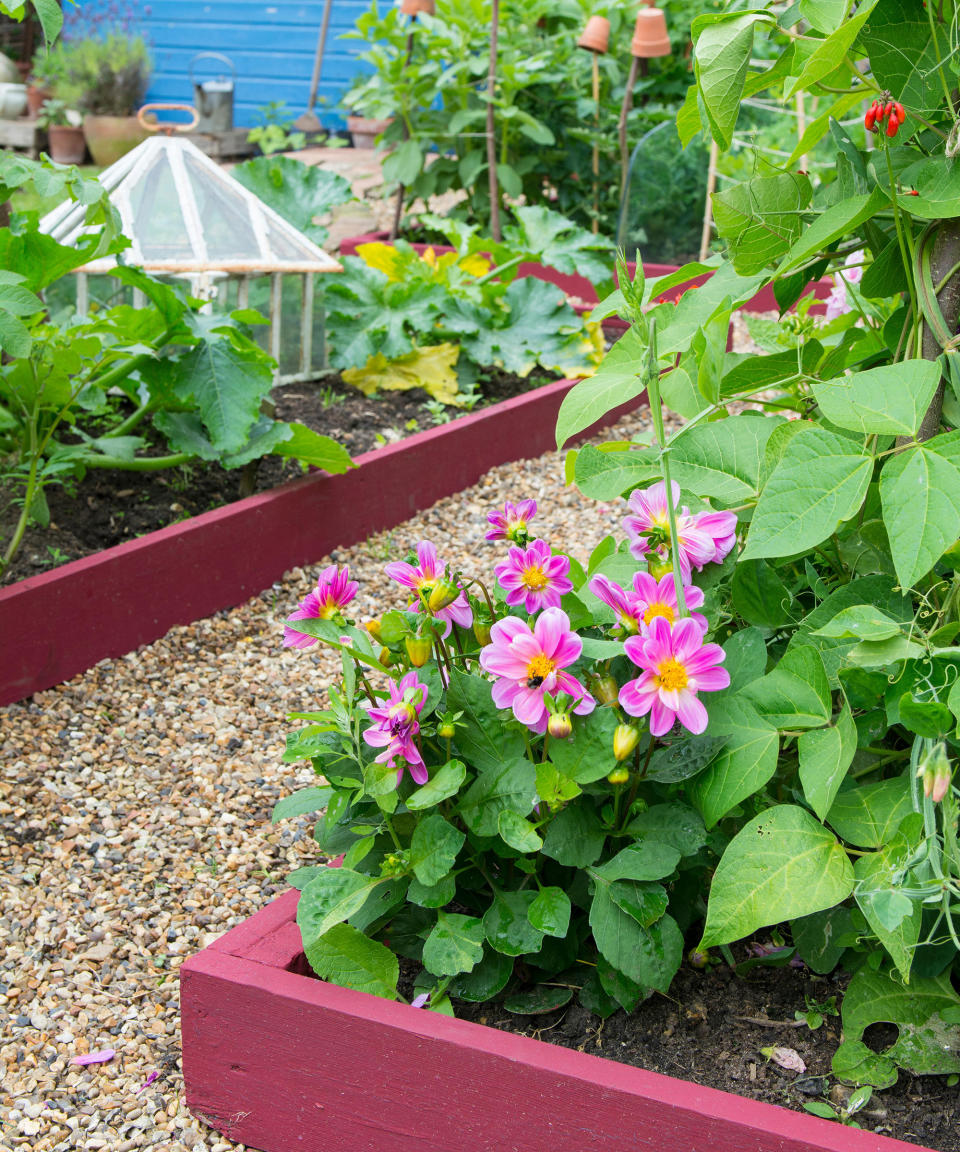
135, 827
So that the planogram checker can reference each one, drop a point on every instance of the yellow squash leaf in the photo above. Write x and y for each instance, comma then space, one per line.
383, 257
433, 369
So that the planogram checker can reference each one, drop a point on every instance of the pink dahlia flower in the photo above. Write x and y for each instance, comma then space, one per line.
676, 665
511, 523
530, 661
422, 578
624, 604
395, 723
653, 598
334, 592
701, 539
534, 577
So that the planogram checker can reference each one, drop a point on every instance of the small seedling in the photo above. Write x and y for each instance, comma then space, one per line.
857, 1102
815, 1011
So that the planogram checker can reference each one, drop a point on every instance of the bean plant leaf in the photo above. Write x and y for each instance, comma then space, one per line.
925, 1012
780, 865
617, 380
920, 494
760, 218
796, 693
855, 1063
746, 762
891, 914
722, 459
831, 53
903, 57
722, 46
825, 755
345, 956
891, 400
869, 815
821, 480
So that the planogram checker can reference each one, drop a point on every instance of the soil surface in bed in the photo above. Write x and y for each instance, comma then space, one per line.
711, 1031
109, 507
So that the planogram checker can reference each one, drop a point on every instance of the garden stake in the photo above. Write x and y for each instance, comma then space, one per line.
708, 206
596, 38
398, 210
491, 127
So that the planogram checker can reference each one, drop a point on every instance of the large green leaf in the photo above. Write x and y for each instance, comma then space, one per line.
892, 915
920, 494
722, 459
891, 400
507, 927
433, 848
925, 1013
228, 385
825, 755
511, 786
310, 447
575, 837
796, 693
558, 243
832, 52
345, 956
760, 219
550, 912
601, 474
455, 944
296, 191
747, 761
722, 45
588, 756
443, 783
868, 816
481, 737
903, 58
615, 382
333, 896
650, 956
821, 480
841, 219
937, 187
779, 866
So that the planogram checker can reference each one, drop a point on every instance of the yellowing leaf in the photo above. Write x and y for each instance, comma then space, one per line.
433, 369
383, 257
476, 264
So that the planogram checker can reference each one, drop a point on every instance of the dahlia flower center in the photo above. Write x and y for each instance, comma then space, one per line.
663, 610
672, 675
539, 669
535, 578
328, 607
402, 714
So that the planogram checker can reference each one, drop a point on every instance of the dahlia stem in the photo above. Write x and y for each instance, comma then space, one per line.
656, 412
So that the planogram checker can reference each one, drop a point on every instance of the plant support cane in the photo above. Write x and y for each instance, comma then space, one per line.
650, 40
491, 127
596, 40
411, 8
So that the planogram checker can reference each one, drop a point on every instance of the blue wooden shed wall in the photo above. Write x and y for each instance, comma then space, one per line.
272, 46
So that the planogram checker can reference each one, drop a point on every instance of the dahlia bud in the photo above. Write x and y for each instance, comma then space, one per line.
604, 689
698, 957
418, 649
447, 730
385, 657
559, 725
657, 566
625, 739
443, 595
481, 629
618, 776
373, 627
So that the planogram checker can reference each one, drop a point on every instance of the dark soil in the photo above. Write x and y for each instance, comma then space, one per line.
707, 1032
109, 507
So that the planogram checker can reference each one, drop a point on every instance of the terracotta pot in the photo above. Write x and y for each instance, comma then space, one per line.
596, 35
365, 131
67, 144
110, 137
415, 7
37, 96
650, 34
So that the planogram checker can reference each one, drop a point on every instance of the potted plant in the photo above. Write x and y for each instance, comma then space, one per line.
45, 70
64, 127
105, 77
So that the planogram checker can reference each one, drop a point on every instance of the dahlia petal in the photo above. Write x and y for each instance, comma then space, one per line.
427, 557
503, 692
402, 572
661, 718
710, 680
705, 657
691, 713
528, 706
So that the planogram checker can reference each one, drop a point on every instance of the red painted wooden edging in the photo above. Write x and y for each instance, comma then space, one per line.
581, 288
62, 622
280, 1061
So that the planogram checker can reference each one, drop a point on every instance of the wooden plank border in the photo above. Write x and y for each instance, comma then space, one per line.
280, 1061
60, 623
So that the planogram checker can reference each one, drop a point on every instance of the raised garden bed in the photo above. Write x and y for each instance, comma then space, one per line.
279, 1061
62, 622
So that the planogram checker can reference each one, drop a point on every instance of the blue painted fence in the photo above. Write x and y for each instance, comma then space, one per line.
272, 46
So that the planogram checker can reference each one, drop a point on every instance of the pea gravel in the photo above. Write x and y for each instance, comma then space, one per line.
135, 807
